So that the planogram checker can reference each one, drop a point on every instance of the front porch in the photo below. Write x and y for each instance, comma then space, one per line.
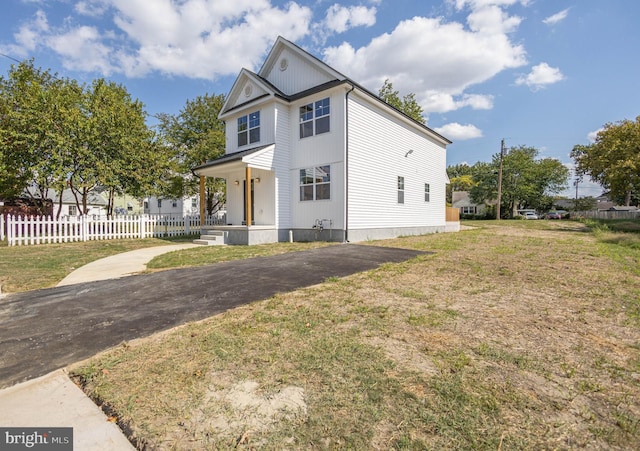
238, 234
250, 197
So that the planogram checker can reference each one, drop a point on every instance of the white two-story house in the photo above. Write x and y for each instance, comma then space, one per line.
310, 154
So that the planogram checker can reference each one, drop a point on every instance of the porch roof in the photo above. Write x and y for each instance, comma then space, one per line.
232, 160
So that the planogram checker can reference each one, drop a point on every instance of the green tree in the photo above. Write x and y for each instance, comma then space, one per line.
55, 133
613, 160
408, 104
194, 136
527, 182
116, 152
37, 115
458, 170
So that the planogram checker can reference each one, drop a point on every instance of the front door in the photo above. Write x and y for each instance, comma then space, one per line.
244, 209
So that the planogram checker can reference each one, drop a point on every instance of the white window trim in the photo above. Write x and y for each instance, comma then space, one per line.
314, 184
249, 129
314, 117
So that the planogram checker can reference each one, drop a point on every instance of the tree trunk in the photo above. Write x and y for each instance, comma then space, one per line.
110, 202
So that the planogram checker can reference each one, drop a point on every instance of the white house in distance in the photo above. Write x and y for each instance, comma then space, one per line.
462, 201
186, 206
313, 155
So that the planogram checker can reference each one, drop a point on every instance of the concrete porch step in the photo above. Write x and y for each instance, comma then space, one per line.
212, 238
208, 242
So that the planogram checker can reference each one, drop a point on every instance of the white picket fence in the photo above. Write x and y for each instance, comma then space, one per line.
29, 230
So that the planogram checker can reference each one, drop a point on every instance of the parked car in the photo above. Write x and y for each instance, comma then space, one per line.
529, 215
553, 215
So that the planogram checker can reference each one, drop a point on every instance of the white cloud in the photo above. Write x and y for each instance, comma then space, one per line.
477, 4
434, 59
556, 18
91, 8
82, 49
194, 38
339, 18
541, 76
492, 19
29, 36
441, 102
459, 132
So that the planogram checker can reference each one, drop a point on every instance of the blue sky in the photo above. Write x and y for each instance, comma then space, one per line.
540, 73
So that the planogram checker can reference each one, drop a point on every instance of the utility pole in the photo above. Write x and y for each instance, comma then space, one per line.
500, 180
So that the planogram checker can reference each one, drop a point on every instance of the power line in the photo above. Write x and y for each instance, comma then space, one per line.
10, 57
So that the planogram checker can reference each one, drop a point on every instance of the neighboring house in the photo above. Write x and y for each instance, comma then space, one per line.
462, 201
96, 204
313, 155
187, 206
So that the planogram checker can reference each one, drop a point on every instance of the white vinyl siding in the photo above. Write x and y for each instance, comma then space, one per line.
298, 75
281, 164
321, 150
379, 147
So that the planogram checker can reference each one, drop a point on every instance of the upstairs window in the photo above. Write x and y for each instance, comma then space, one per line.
315, 183
426, 192
400, 190
315, 118
249, 129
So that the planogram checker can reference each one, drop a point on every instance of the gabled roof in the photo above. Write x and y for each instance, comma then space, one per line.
259, 88
329, 76
281, 44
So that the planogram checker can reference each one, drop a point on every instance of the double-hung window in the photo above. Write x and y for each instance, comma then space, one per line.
315, 183
315, 118
400, 190
249, 129
426, 192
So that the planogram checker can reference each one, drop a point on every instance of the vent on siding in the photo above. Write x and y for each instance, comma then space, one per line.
247, 90
284, 64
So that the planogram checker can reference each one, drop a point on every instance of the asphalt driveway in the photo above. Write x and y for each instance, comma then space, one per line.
43, 330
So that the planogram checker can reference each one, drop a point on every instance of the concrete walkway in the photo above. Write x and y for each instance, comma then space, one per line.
120, 265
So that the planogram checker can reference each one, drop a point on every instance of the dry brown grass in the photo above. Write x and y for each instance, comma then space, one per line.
509, 336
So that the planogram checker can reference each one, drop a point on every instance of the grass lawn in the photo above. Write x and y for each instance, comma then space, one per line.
511, 335
24, 268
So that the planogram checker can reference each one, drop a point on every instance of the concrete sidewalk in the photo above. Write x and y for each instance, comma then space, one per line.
53, 400
120, 265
